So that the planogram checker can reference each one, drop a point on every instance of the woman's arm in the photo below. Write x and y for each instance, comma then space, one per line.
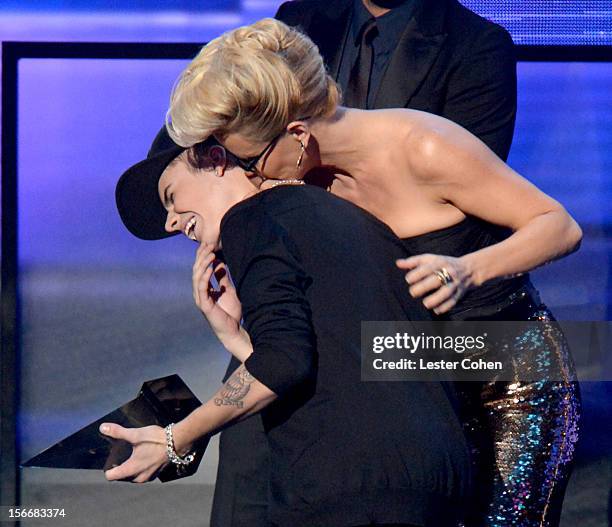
472, 178
457, 168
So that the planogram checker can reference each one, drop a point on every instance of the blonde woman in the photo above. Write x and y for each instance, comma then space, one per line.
262, 91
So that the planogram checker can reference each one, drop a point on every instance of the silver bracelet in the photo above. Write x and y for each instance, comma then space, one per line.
172, 455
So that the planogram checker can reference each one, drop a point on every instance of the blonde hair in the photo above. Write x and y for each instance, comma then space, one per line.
253, 80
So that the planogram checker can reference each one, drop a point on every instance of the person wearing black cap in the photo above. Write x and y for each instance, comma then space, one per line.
344, 452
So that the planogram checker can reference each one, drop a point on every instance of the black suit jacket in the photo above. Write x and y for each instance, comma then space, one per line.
309, 268
449, 61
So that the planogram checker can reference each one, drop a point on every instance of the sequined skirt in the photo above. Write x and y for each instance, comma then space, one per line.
524, 433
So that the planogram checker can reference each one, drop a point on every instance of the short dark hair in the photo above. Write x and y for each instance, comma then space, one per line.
198, 156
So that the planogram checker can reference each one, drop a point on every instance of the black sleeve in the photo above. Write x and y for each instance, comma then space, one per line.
281, 13
271, 285
296, 14
287, 13
482, 91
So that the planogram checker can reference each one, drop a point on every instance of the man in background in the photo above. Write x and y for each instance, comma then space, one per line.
431, 55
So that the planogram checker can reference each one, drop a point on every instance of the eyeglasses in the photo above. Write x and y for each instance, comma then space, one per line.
248, 163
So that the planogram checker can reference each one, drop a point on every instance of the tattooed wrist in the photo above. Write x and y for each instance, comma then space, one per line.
235, 389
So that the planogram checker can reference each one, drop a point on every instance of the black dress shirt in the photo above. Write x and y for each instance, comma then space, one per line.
389, 30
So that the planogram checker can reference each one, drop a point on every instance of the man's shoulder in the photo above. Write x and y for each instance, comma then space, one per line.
300, 12
270, 224
250, 229
270, 207
470, 26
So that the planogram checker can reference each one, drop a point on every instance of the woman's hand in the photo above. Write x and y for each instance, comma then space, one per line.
148, 457
426, 274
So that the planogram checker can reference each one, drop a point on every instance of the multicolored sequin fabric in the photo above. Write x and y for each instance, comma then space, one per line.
525, 433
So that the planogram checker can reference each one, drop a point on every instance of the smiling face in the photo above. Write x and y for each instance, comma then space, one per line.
197, 199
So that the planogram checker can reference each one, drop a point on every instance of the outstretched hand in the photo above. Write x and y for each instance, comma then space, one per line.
422, 279
148, 457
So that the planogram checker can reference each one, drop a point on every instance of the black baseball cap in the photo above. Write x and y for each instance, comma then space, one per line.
136, 193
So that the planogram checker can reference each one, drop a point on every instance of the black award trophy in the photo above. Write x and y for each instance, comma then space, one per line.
159, 402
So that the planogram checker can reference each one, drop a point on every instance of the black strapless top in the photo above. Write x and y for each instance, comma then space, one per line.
469, 235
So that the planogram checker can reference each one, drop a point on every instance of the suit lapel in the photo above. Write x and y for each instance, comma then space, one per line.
414, 56
328, 31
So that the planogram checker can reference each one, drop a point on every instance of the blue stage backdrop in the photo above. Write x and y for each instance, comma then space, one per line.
552, 22
558, 22
119, 5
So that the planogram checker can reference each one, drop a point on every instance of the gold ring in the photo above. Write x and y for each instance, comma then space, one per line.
444, 276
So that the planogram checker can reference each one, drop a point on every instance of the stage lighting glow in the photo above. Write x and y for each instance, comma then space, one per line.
550, 22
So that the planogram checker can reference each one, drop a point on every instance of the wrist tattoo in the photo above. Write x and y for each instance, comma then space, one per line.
235, 389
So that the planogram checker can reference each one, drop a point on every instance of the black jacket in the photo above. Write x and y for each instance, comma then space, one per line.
309, 268
449, 61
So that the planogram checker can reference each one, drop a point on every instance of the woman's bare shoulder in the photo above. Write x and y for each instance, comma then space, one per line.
423, 142
414, 128
433, 141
